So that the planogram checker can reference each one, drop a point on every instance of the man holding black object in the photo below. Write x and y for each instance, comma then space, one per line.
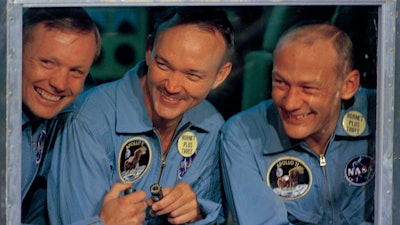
152, 126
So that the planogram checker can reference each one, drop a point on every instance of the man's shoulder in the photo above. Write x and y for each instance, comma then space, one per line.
206, 116
255, 114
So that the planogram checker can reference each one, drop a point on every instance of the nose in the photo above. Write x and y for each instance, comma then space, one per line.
292, 99
173, 82
60, 80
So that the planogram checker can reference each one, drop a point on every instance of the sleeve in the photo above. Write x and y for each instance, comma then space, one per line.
208, 184
79, 177
249, 199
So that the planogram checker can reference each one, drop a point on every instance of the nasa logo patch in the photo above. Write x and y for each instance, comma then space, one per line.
360, 170
134, 159
289, 177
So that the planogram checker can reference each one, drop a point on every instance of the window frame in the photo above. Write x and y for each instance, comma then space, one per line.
385, 195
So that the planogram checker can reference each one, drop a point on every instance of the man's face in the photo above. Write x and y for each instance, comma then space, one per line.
184, 65
55, 65
306, 89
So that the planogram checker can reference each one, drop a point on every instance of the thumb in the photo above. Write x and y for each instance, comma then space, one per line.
116, 190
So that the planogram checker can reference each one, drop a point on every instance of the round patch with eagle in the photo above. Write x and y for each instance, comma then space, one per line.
289, 177
134, 159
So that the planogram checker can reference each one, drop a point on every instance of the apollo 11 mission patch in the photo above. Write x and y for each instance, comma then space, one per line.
289, 177
134, 159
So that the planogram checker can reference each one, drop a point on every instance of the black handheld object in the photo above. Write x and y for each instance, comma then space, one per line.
129, 191
156, 192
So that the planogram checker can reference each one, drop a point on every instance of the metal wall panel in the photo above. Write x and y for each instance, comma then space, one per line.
3, 127
396, 139
388, 126
385, 116
13, 116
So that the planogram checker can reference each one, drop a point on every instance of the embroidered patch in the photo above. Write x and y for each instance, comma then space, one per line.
360, 170
289, 177
134, 159
40, 146
185, 164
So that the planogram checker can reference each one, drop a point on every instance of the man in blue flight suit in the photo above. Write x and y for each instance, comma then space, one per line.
306, 156
59, 47
153, 126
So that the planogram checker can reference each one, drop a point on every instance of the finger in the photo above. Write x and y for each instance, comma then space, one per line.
162, 206
150, 202
187, 208
135, 197
177, 197
116, 190
183, 218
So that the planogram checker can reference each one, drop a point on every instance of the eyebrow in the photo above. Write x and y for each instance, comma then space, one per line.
196, 71
57, 61
300, 82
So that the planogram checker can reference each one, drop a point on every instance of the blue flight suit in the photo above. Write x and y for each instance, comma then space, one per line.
109, 137
263, 168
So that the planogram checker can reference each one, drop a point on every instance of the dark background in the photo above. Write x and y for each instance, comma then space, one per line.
257, 29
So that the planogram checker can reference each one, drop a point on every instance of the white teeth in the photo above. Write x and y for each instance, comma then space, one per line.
169, 98
300, 117
46, 96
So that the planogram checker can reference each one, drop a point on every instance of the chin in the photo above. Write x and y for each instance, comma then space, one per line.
168, 116
296, 132
47, 112
167, 112
48, 115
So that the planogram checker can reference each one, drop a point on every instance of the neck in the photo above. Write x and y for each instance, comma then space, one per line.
164, 127
319, 144
166, 135
32, 118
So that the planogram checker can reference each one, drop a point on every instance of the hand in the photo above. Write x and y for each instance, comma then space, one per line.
129, 209
179, 202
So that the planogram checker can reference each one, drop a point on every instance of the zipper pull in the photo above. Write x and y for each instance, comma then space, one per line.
163, 163
322, 161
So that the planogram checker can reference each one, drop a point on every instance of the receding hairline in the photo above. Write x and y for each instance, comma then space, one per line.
214, 22
74, 19
308, 35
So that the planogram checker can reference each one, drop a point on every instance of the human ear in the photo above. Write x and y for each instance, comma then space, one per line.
350, 85
149, 48
223, 73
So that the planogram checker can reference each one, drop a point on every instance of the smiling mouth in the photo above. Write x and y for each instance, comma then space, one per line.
169, 98
296, 117
47, 96
299, 116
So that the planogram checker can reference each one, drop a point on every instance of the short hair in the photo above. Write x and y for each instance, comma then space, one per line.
210, 18
310, 33
71, 18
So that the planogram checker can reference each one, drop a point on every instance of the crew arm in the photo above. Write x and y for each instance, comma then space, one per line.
208, 185
211, 204
79, 177
249, 198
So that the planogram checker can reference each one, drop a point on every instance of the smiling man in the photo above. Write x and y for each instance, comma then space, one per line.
59, 47
307, 155
153, 126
